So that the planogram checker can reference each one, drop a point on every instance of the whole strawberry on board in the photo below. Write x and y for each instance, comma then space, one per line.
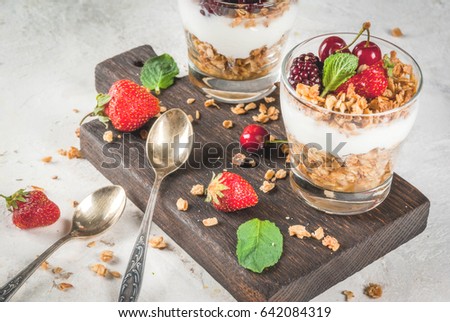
229, 192
370, 83
31, 209
127, 105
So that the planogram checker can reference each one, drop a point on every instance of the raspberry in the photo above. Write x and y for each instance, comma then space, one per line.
306, 69
220, 8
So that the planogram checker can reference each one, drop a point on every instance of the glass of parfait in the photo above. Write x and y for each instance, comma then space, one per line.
235, 46
344, 141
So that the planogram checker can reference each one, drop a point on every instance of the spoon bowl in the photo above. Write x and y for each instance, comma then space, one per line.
169, 141
96, 213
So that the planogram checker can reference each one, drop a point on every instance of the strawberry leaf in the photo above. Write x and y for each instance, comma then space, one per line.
260, 245
159, 72
337, 69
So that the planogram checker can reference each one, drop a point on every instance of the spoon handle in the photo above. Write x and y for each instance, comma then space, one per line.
10, 288
132, 280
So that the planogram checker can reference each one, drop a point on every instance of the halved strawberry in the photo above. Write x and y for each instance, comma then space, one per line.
370, 83
230, 192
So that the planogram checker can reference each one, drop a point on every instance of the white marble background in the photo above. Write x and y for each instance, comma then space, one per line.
48, 51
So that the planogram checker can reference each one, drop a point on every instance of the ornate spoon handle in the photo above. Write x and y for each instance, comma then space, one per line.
132, 280
8, 290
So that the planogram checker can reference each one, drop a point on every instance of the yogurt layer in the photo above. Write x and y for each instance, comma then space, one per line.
306, 129
234, 42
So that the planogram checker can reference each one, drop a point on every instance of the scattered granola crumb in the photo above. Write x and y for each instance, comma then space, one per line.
182, 204
119, 136
299, 231
238, 109
143, 134
191, 101
318, 234
75, 110
250, 106
241, 160
197, 115
107, 243
272, 138
75, 203
55, 178
191, 119
73, 153
348, 295
91, 244
228, 124
158, 115
57, 270
373, 291
62, 152
210, 103
269, 174
99, 269
108, 136
37, 188
396, 32
281, 174
209, 222
162, 109
77, 132
44, 265
269, 99
331, 243
157, 242
198, 190
64, 286
107, 256
47, 159
267, 186
285, 148
115, 274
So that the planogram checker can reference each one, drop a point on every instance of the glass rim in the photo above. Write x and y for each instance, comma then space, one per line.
292, 91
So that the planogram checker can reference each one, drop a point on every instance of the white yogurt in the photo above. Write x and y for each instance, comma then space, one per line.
307, 130
234, 42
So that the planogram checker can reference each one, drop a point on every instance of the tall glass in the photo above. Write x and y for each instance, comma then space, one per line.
343, 163
235, 50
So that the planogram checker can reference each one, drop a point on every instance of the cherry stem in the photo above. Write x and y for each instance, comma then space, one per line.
365, 26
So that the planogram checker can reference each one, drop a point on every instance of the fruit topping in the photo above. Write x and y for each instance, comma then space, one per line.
31, 209
368, 53
229, 192
127, 105
331, 45
306, 69
370, 83
220, 8
253, 138
338, 68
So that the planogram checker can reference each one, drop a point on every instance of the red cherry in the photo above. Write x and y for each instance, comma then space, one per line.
368, 53
253, 138
330, 45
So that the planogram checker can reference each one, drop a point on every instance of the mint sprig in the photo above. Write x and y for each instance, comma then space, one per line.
388, 65
337, 69
260, 245
159, 73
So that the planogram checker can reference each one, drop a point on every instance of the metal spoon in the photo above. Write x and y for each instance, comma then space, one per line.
93, 216
168, 146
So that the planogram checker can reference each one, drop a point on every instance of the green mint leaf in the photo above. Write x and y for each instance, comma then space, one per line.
388, 65
159, 72
260, 245
337, 69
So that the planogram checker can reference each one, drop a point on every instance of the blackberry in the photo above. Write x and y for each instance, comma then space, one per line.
306, 69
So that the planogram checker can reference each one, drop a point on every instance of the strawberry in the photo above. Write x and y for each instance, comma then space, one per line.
230, 192
370, 83
32, 209
127, 105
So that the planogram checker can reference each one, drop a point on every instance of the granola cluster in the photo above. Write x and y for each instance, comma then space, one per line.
357, 172
259, 63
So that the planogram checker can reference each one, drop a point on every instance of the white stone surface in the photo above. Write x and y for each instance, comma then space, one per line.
48, 51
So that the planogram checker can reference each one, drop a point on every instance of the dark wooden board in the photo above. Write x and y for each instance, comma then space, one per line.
306, 268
